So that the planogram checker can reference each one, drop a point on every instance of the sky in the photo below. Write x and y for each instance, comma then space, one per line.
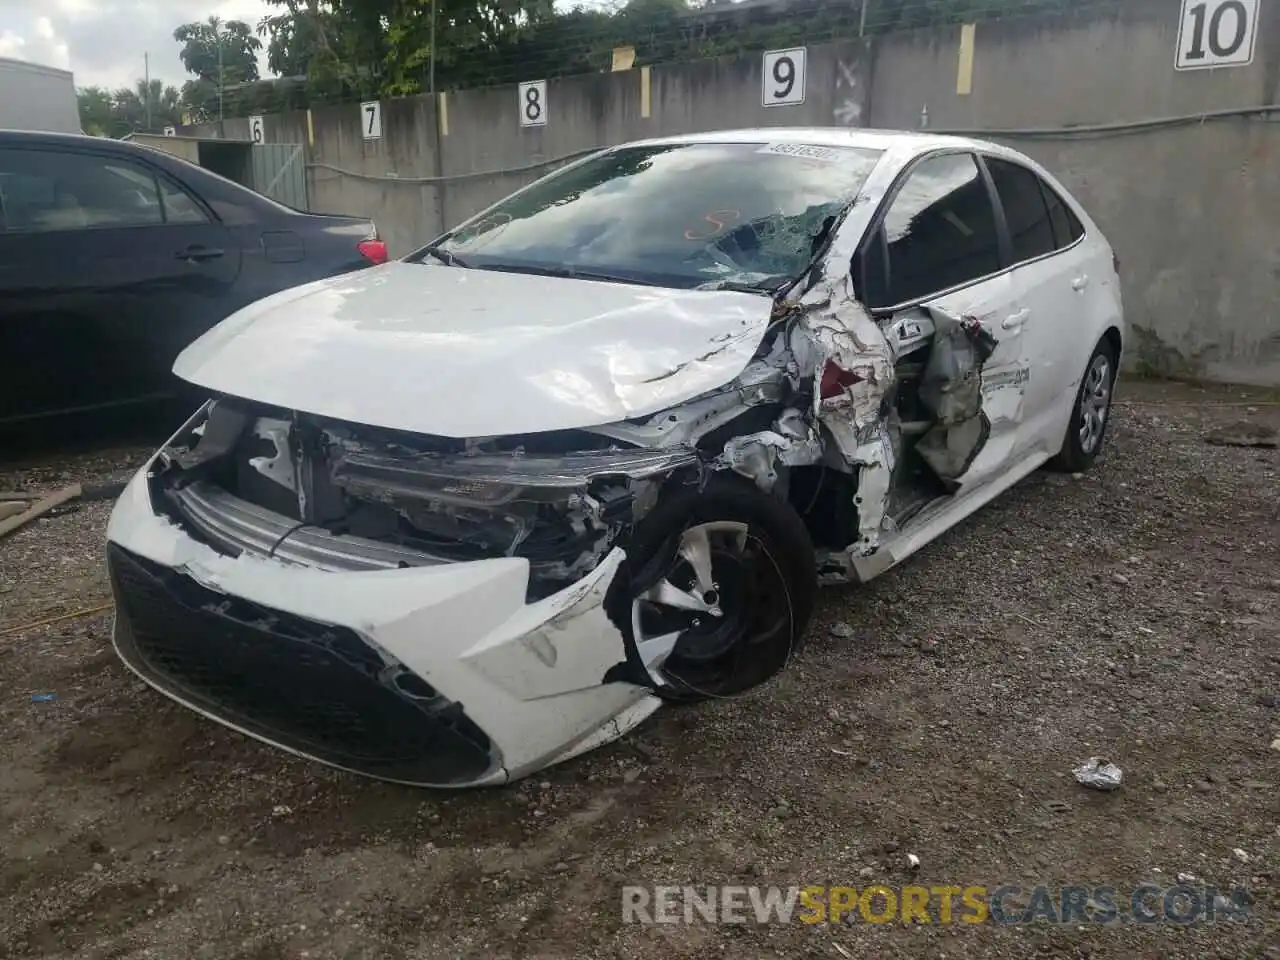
103, 42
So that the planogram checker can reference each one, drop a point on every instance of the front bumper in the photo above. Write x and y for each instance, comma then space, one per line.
435, 675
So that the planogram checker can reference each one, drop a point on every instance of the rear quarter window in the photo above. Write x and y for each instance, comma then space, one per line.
1067, 228
1025, 211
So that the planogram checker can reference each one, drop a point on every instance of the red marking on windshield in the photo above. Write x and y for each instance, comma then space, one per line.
713, 224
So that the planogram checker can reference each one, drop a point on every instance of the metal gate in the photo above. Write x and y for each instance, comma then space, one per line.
278, 170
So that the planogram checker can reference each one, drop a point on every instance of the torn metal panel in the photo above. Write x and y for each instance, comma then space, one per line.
570, 645
951, 389
277, 466
908, 333
766, 380
952, 382
836, 329
793, 442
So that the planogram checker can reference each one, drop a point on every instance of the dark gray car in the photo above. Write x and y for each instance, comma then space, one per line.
115, 256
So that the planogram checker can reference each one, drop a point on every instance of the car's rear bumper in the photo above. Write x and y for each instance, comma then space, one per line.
435, 675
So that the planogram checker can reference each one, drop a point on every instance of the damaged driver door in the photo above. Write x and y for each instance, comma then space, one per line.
970, 385
933, 272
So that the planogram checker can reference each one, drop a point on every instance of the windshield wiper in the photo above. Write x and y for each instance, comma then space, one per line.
571, 273
444, 256
765, 289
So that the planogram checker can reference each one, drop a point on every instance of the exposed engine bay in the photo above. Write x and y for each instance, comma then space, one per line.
858, 424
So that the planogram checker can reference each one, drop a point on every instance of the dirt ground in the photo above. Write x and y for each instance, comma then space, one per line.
1133, 612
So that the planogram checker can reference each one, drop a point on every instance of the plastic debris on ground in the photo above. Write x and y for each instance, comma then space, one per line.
1098, 773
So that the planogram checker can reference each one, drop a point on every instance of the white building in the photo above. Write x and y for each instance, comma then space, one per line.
34, 97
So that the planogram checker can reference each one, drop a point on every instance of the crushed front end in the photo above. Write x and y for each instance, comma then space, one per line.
423, 610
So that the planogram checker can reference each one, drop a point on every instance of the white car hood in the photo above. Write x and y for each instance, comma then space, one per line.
470, 353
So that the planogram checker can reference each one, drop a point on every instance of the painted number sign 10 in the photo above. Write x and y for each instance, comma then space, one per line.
533, 103
1216, 33
371, 120
783, 77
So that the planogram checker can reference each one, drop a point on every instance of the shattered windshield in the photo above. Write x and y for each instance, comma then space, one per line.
679, 215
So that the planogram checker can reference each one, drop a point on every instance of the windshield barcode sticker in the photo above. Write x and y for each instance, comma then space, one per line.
804, 151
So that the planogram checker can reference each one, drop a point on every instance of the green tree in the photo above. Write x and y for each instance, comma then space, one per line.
221, 56
115, 113
343, 49
97, 114
384, 47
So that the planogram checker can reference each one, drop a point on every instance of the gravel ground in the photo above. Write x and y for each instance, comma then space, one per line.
1133, 612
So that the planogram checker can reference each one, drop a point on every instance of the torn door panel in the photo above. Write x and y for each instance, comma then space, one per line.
951, 389
854, 383
894, 395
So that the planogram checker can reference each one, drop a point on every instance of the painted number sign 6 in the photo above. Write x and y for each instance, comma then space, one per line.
783, 77
1216, 33
533, 103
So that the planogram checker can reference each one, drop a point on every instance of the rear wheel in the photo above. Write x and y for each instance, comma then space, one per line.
723, 587
1091, 413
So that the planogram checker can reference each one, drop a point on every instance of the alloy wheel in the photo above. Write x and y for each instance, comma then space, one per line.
721, 593
1095, 403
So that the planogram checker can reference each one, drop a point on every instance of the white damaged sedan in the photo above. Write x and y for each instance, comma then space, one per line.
454, 519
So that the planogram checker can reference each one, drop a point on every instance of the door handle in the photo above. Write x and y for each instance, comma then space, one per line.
198, 254
1080, 282
1014, 321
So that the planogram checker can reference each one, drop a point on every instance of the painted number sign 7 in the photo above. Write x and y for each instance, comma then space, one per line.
371, 120
1216, 33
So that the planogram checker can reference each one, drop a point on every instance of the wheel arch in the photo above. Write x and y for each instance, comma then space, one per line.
1113, 337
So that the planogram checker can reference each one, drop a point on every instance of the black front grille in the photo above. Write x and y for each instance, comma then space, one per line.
311, 687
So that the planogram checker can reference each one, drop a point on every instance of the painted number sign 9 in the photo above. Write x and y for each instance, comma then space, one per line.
1216, 33
783, 77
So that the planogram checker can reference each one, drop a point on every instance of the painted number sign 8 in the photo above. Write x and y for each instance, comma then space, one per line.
783, 77
533, 103
1216, 33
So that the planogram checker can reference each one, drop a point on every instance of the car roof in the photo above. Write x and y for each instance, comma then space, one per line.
43, 138
913, 141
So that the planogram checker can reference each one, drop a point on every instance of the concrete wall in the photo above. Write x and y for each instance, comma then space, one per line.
1191, 210
183, 147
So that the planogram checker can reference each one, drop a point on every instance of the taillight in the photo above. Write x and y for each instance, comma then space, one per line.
835, 380
375, 251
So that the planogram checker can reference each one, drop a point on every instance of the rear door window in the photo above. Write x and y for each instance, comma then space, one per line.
1025, 210
939, 232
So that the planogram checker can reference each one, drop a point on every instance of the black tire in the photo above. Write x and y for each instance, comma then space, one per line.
1080, 448
768, 593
